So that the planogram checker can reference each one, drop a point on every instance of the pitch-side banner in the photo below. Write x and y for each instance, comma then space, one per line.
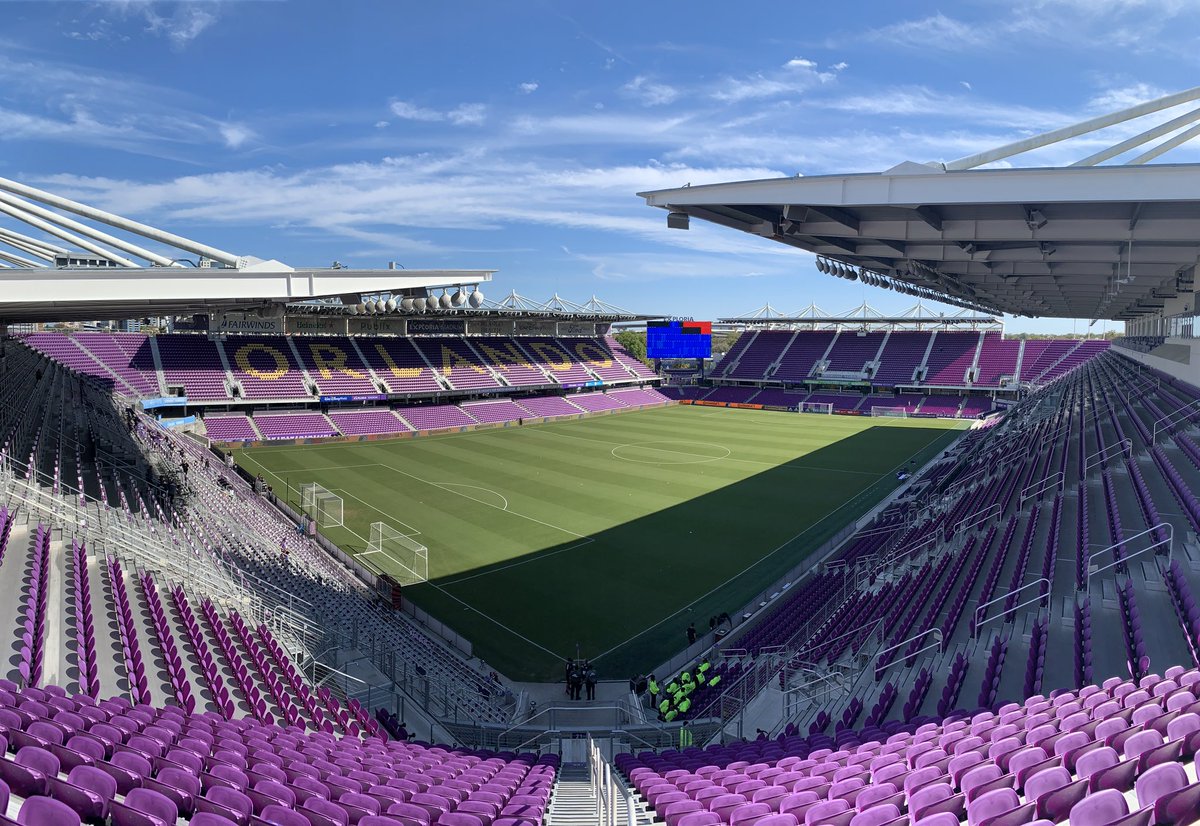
490, 327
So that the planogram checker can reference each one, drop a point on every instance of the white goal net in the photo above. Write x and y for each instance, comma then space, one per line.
322, 506
816, 407
892, 412
398, 555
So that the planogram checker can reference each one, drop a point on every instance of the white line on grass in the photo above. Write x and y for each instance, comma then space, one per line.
481, 502
725, 582
519, 562
414, 531
470, 607
477, 487
431, 582
723, 458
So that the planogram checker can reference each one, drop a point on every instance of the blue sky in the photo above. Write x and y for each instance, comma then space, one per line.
513, 135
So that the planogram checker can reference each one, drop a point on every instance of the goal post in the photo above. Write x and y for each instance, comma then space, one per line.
816, 407
322, 506
397, 555
890, 412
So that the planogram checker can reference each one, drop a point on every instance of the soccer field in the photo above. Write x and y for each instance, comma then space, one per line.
607, 535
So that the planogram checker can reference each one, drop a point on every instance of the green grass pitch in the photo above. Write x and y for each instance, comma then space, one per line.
607, 535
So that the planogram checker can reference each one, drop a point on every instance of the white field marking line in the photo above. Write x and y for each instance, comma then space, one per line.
535, 558
476, 487
421, 440
726, 458
481, 502
697, 458
724, 583
332, 467
435, 585
389, 517
495, 621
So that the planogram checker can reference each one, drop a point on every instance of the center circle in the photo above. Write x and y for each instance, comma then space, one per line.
668, 452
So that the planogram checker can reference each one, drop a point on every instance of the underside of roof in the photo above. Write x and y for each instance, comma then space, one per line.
1077, 242
1082, 241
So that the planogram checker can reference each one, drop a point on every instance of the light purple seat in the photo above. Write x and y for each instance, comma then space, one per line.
876, 816
1158, 781
45, 811
282, 816
87, 790
210, 819
326, 809
990, 805
1101, 808
144, 807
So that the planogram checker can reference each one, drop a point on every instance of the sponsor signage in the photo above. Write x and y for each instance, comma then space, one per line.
165, 401
243, 323
536, 328
328, 325
592, 383
374, 326
436, 327
576, 328
491, 327
179, 422
364, 397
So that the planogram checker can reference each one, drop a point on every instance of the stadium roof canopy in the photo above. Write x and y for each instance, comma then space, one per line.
56, 264
1081, 241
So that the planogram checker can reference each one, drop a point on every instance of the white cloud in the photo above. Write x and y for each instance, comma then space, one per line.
528, 87
649, 92
840, 66
800, 63
798, 75
465, 114
410, 111
235, 134
186, 22
935, 32
382, 124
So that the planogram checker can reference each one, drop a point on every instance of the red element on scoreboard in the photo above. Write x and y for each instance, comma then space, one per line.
704, 328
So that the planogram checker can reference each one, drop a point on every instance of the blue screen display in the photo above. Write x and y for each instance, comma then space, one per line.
679, 339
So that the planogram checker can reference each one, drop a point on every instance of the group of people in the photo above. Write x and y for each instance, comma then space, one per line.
579, 675
675, 698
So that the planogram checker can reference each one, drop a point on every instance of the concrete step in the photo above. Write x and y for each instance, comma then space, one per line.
573, 802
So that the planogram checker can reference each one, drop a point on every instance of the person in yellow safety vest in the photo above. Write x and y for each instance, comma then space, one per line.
652, 687
713, 682
684, 706
685, 677
671, 715
700, 678
672, 686
704, 666
664, 706
677, 696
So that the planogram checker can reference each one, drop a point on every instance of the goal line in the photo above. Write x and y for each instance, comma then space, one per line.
891, 412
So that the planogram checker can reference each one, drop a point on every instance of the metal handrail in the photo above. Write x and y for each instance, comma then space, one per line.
979, 518
1169, 541
1054, 480
1123, 446
1180, 414
937, 643
1007, 611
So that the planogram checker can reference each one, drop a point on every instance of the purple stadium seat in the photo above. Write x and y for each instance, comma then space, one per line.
45, 811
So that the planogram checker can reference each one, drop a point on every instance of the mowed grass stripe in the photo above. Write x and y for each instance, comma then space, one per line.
663, 534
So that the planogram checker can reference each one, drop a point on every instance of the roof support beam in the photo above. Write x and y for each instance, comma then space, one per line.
1138, 140
1166, 146
82, 243
1082, 128
84, 229
117, 221
930, 216
837, 216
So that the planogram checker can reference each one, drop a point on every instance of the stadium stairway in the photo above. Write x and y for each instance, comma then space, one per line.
573, 802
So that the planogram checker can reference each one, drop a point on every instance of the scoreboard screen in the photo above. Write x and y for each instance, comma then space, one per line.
679, 339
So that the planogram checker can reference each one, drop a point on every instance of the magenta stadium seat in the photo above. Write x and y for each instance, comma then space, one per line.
210, 819
45, 811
